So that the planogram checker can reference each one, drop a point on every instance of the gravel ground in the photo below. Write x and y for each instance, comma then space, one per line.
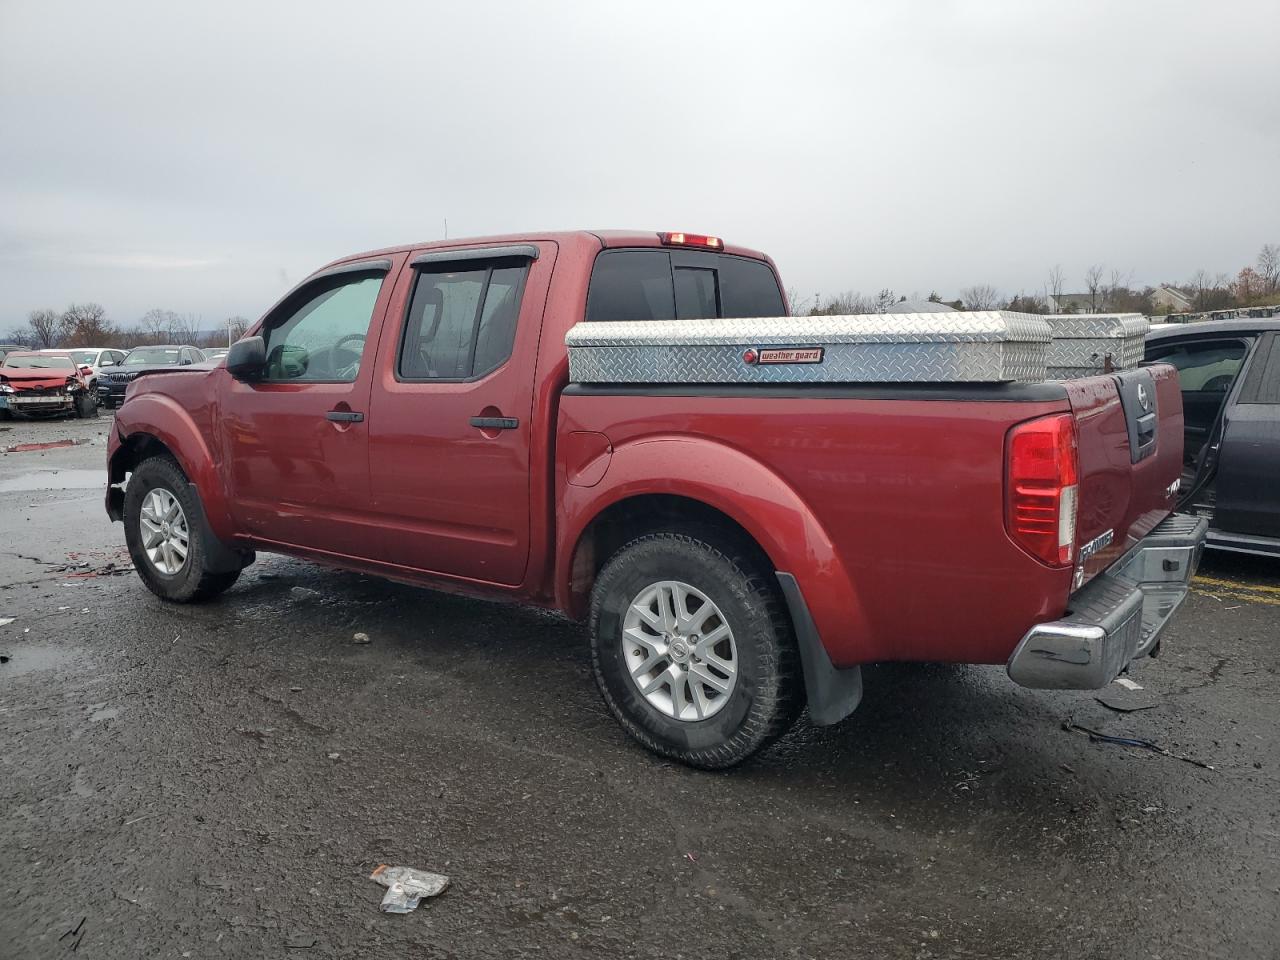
219, 780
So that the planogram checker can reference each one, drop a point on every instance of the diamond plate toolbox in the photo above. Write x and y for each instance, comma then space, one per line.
1088, 343
990, 346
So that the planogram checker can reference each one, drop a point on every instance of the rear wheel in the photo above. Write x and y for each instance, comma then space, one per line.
166, 542
692, 650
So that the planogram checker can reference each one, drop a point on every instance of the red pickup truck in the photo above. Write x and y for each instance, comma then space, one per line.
737, 551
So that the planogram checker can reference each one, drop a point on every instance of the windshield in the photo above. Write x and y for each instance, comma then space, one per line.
153, 356
85, 357
17, 361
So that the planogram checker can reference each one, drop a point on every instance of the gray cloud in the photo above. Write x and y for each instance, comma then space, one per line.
194, 157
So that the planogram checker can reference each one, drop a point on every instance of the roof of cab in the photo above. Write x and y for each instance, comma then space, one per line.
599, 238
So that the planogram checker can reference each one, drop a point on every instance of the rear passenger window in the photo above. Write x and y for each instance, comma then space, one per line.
631, 285
461, 323
642, 285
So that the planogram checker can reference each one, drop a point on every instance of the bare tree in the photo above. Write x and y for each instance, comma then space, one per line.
1026, 303
85, 325
844, 304
797, 304
187, 329
1093, 283
1053, 286
44, 327
1269, 266
158, 325
980, 297
238, 326
885, 300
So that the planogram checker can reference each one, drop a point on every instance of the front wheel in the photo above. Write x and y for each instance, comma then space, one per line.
86, 406
692, 650
166, 540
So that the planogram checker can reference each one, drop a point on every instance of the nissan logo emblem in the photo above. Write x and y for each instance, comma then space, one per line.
1142, 397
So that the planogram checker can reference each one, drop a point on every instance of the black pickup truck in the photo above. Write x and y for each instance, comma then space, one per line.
1230, 376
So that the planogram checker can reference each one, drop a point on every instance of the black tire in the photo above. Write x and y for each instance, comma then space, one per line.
767, 695
86, 407
194, 581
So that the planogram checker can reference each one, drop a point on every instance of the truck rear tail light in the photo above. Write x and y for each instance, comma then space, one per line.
1042, 466
691, 240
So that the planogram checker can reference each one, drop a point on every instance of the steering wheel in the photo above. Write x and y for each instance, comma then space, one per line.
342, 370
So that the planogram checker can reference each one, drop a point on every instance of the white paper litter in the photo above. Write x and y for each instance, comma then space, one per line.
1128, 684
406, 887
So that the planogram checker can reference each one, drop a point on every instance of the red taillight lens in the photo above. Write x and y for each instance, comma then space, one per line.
691, 240
1041, 488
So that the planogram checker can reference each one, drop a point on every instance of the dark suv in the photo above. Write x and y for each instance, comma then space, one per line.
1230, 376
112, 384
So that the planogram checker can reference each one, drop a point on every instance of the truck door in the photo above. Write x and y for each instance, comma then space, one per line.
296, 442
1248, 499
450, 417
1207, 369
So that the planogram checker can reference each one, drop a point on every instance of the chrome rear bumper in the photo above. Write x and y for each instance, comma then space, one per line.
1117, 616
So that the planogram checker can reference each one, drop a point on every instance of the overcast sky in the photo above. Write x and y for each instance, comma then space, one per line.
203, 157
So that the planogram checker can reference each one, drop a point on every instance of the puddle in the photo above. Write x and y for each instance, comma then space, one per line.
31, 659
55, 480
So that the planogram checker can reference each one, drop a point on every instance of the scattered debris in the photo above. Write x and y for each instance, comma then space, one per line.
73, 933
1096, 737
406, 887
691, 857
300, 941
334, 756
130, 823
360, 638
213, 883
5, 621
1125, 696
51, 445
255, 734
1127, 683
295, 689
4, 658
304, 593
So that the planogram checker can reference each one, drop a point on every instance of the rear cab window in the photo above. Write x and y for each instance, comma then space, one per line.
653, 284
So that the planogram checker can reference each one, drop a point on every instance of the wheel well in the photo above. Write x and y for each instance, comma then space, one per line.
133, 450
628, 519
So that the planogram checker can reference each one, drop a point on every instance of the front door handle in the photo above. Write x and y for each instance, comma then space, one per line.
344, 416
495, 423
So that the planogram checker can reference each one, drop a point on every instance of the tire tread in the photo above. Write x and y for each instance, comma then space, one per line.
780, 699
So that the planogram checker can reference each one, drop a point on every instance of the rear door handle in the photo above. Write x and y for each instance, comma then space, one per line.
344, 416
495, 423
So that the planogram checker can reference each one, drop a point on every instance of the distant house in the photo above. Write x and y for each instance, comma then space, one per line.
1075, 303
1170, 300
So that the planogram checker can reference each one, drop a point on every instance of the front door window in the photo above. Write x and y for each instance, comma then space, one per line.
322, 339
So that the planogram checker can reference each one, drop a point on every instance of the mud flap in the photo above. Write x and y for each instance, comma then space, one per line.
832, 693
221, 558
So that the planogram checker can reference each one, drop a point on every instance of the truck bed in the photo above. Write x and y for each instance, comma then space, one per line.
910, 553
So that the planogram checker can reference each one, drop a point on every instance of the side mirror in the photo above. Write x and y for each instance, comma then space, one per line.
107, 362
185, 362
247, 358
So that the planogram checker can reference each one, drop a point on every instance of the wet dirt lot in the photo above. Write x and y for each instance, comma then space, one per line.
219, 780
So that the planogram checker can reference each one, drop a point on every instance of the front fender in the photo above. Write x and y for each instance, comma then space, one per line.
160, 416
745, 490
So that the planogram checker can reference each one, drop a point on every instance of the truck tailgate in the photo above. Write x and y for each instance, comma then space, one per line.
1130, 442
